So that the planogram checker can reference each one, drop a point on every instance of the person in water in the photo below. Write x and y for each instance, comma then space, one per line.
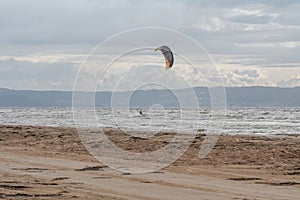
141, 112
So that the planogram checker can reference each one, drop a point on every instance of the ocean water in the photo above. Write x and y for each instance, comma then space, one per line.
264, 121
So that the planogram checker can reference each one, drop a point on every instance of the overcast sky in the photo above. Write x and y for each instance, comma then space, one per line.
255, 42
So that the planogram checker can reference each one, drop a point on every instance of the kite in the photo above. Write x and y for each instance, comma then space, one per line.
166, 51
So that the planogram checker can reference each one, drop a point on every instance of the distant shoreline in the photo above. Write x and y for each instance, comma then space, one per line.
256, 96
136, 130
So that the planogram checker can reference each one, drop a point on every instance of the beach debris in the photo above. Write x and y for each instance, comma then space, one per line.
92, 168
60, 178
285, 183
244, 179
146, 181
14, 187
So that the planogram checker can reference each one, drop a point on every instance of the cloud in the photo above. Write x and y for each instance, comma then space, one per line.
250, 73
146, 77
260, 33
292, 82
251, 16
247, 77
41, 75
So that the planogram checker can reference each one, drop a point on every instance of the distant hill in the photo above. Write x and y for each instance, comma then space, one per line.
236, 96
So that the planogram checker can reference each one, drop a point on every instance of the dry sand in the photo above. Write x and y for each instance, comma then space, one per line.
51, 163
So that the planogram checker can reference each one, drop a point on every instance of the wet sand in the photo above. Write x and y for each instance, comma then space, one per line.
51, 163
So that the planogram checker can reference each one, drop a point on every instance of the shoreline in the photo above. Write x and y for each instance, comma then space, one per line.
199, 131
252, 162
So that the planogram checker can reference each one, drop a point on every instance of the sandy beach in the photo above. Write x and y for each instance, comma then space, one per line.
51, 163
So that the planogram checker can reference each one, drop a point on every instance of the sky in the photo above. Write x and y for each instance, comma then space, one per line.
251, 42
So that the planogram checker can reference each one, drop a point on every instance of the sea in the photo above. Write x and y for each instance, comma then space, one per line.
234, 120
